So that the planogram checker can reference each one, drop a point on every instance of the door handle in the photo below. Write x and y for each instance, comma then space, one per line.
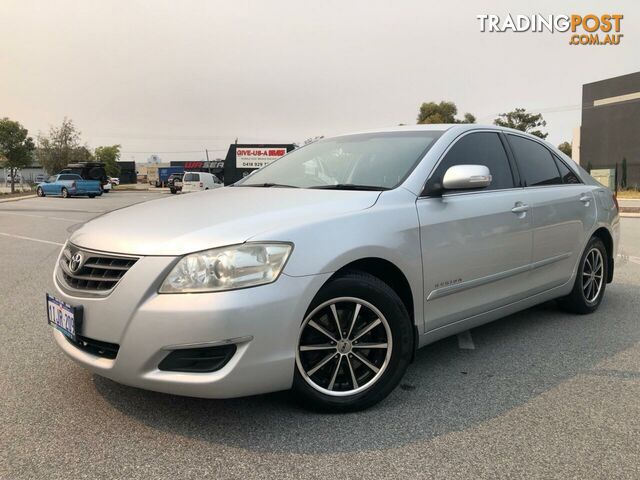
520, 208
585, 198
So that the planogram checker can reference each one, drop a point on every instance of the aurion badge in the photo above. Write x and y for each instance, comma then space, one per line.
76, 262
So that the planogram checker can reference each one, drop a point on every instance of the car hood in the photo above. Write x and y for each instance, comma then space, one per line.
191, 222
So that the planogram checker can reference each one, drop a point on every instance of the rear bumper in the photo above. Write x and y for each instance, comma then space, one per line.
262, 322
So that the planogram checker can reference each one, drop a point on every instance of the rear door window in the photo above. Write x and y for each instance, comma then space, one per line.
535, 162
481, 148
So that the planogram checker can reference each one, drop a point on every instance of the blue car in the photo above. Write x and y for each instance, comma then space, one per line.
67, 185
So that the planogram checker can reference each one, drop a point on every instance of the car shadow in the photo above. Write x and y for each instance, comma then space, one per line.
446, 388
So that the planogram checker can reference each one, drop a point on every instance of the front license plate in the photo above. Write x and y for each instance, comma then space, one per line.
64, 317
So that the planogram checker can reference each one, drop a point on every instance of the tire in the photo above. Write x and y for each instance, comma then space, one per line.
590, 283
173, 190
344, 383
64, 193
92, 195
40, 192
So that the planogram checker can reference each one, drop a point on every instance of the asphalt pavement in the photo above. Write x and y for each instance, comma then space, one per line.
540, 394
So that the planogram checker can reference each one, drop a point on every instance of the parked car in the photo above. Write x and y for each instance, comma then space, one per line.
326, 269
69, 185
175, 182
41, 177
90, 171
114, 181
164, 173
196, 181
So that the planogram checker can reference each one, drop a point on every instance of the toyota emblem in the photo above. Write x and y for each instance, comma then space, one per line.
76, 262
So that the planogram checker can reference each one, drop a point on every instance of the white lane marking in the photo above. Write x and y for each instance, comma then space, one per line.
32, 239
465, 341
41, 216
634, 259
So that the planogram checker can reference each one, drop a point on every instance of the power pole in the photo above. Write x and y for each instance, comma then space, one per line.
206, 151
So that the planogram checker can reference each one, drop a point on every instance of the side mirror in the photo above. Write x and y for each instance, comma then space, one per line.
461, 177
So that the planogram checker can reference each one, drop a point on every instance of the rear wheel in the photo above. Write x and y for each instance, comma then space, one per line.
354, 346
92, 195
173, 190
64, 193
40, 192
591, 280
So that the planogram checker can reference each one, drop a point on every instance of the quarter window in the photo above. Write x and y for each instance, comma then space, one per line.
566, 173
482, 148
535, 162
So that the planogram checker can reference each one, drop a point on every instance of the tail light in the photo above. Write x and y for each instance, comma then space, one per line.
615, 201
201, 184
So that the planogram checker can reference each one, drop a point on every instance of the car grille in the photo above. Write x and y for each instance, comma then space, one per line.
91, 271
95, 347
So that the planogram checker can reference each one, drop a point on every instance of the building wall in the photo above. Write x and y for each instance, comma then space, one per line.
610, 128
127, 172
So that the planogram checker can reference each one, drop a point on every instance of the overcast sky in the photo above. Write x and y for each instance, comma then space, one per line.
181, 76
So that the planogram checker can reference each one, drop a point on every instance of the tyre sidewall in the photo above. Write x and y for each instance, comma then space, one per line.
374, 291
593, 243
576, 302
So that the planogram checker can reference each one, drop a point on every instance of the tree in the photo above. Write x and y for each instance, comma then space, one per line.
109, 155
520, 119
16, 147
623, 179
443, 112
565, 147
61, 147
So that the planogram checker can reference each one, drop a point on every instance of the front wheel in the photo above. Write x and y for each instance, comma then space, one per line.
64, 193
92, 195
354, 346
40, 192
591, 280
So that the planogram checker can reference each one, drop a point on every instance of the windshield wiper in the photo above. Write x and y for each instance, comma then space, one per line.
266, 185
350, 186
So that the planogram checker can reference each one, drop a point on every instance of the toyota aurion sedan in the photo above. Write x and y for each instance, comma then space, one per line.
325, 270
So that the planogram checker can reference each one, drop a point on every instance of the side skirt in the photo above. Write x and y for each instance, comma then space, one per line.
486, 317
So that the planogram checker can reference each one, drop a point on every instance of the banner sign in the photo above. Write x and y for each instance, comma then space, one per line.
257, 157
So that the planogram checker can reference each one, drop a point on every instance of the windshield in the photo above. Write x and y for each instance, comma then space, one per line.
374, 160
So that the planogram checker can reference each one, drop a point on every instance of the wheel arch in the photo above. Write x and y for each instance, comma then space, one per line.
603, 234
393, 276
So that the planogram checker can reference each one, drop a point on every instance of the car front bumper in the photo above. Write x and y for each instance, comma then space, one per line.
262, 321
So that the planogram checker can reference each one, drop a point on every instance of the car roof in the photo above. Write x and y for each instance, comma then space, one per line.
455, 128
438, 127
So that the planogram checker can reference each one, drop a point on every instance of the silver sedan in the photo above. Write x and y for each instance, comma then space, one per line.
325, 270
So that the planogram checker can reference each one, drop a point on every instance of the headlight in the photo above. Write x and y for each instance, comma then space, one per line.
227, 268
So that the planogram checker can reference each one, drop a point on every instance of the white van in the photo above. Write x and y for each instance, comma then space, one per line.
196, 181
